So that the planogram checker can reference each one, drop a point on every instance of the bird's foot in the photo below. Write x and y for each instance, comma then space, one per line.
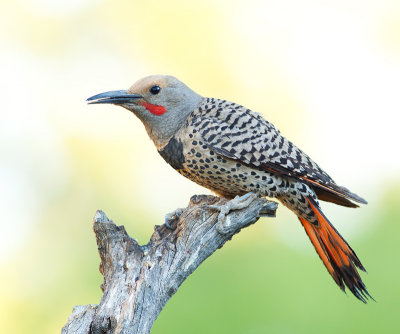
172, 216
235, 204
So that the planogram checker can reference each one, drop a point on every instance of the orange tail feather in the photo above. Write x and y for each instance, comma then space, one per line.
337, 256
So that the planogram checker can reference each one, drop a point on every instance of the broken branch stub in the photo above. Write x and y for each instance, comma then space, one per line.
139, 280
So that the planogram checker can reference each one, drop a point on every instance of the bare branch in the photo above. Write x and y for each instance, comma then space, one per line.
139, 280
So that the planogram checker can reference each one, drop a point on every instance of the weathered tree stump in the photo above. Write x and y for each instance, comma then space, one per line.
139, 280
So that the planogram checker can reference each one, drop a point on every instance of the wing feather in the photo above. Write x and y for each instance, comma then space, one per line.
240, 134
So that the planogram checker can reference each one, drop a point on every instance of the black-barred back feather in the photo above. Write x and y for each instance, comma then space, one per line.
244, 135
232, 150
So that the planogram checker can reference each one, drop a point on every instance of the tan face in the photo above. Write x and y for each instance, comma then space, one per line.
159, 94
161, 102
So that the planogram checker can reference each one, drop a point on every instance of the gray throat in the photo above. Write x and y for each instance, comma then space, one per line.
161, 131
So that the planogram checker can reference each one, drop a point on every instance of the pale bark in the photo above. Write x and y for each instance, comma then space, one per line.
139, 280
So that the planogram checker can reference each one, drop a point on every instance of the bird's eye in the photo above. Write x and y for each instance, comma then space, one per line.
155, 90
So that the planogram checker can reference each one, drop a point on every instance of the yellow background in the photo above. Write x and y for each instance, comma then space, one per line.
326, 73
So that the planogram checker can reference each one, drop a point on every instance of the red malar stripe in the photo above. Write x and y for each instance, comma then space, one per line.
154, 109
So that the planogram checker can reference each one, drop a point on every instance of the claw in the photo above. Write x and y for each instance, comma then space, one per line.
235, 204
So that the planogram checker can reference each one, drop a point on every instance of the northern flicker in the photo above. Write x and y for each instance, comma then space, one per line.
232, 151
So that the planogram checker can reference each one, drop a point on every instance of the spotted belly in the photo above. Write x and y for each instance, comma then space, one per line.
226, 177
229, 178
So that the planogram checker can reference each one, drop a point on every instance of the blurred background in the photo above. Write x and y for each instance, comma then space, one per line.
326, 73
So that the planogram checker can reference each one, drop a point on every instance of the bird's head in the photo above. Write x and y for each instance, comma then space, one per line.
161, 102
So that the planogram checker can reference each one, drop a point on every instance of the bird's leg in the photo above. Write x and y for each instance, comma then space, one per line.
235, 204
171, 216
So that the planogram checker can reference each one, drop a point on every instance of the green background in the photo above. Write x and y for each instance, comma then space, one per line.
325, 73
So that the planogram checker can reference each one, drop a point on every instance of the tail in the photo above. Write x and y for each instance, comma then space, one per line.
335, 253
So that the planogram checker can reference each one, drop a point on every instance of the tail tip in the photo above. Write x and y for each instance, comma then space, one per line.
361, 293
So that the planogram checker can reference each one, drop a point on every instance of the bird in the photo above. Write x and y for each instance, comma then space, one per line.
233, 151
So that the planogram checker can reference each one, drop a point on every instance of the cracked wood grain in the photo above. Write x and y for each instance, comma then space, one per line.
139, 280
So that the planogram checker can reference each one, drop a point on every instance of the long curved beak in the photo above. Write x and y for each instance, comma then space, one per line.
114, 97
